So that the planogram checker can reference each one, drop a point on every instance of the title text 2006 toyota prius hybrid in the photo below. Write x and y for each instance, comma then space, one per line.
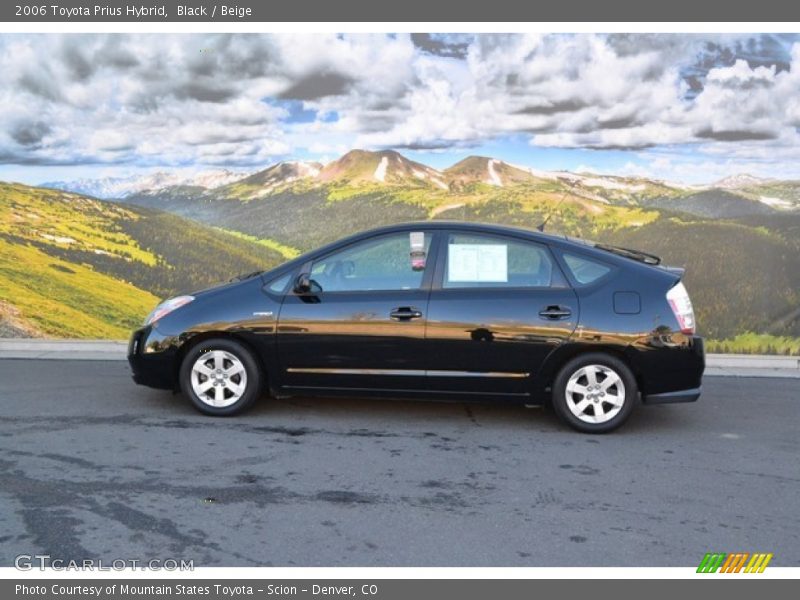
437, 310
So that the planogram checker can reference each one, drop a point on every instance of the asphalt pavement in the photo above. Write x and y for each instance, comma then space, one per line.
93, 466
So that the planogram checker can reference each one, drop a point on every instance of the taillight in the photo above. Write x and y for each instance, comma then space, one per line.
681, 305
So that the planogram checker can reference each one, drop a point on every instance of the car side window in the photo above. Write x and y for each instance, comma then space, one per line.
585, 270
394, 261
495, 261
279, 285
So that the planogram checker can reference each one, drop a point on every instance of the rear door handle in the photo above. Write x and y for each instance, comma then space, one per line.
405, 313
555, 312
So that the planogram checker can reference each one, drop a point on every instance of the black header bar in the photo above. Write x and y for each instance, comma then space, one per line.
448, 11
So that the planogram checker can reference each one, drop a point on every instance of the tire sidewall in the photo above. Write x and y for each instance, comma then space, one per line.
254, 377
560, 384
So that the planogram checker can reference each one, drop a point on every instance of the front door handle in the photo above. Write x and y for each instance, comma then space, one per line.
405, 313
555, 312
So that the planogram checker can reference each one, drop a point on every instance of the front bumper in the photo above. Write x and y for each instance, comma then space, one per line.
152, 366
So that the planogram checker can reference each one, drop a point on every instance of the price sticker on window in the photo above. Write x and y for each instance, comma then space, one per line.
477, 263
418, 256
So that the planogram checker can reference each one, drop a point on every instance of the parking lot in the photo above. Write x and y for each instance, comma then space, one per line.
92, 466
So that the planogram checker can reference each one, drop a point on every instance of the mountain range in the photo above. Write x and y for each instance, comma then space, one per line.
732, 196
108, 188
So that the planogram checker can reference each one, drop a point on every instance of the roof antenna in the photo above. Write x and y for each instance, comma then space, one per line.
563, 196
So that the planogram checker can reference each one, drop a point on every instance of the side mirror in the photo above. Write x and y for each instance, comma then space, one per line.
302, 284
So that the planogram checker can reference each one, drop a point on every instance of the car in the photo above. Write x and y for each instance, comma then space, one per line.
437, 310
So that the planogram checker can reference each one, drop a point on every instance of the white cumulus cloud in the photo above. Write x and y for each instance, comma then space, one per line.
244, 99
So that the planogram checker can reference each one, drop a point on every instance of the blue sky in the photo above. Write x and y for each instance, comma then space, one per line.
679, 107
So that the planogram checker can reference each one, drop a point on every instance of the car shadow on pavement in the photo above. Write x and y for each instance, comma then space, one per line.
383, 413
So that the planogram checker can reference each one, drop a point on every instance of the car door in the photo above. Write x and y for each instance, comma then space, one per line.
499, 305
362, 323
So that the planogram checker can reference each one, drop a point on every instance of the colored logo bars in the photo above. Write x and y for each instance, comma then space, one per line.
739, 562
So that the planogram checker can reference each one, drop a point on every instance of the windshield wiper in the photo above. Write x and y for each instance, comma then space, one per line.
247, 276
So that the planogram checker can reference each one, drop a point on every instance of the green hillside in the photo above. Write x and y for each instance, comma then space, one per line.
742, 279
57, 298
302, 219
724, 261
712, 204
72, 266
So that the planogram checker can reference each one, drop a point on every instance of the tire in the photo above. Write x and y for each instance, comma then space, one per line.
595, 393
220, 377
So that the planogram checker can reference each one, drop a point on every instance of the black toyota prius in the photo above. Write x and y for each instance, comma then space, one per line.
437, 310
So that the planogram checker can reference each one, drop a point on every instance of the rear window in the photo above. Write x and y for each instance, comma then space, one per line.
585, 270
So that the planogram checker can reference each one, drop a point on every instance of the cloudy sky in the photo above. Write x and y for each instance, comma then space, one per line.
681, 107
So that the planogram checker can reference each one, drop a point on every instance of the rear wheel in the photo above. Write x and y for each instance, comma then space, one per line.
220, 377
594, 393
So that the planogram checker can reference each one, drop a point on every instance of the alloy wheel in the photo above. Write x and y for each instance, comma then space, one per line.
595, 393
218, 378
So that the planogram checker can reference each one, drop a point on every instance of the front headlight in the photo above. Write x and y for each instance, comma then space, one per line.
166, 307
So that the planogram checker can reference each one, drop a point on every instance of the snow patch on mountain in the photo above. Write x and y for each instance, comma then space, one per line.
439, 183
775, 202
213, 179
539, 172
432, 175
739, 181
612, 184
305, 169
494, 178
380, 171
122, 187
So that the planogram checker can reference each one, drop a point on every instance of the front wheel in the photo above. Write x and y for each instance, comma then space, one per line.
594, 393
220, 377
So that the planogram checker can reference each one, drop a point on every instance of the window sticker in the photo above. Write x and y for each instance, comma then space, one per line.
417, 241
477, 263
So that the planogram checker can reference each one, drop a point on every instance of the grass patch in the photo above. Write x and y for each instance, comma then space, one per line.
63, 299
288, 252
756, 343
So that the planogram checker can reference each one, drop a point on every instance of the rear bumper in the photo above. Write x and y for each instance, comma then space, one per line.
671, 374
151, 368
672, 397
